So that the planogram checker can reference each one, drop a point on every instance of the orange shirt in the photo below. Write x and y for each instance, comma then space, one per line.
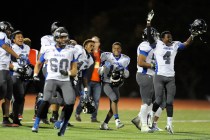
95, 76
33, 54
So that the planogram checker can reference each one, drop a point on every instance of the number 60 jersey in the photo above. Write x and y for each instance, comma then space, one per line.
165, 57
58, 59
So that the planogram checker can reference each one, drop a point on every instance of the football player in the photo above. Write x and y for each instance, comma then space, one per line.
6, 87
165, 50
61, 65
20, 75
46, 42
85, 60
113, 69
144, 78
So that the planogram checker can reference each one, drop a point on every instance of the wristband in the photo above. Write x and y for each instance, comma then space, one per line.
85, 89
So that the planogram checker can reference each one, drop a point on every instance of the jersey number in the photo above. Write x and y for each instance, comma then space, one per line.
167, 57
57, 66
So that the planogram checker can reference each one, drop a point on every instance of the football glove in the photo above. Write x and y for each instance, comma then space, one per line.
150, 16
64, 72
36, 78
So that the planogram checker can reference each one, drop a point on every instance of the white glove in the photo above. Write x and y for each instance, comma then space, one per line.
150, 16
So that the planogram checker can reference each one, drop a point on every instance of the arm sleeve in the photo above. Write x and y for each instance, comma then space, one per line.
150, 38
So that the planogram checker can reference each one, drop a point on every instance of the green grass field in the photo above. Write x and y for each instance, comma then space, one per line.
187, 124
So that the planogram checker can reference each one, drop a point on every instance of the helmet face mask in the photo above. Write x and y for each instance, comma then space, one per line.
199, 26
61, 36
155, 34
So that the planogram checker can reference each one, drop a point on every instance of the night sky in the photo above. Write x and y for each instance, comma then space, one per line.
123, 21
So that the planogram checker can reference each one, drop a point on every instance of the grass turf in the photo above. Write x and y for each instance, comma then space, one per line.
188, 124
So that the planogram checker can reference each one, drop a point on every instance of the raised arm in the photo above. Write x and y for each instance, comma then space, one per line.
150, 38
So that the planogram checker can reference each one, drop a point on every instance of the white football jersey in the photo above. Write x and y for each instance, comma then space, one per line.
165, 57
5, 57
46, 41
24, 50
85, 60
123, 61
145, 49
58, 60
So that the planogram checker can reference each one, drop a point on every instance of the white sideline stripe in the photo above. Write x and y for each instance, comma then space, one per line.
192, 121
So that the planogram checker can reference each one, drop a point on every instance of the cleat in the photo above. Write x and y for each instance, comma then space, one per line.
52, 120
34, 129
104, 126
17, 121
7, 123
118, 124
137, 122
45, 121
77, 117
95, 120
155, 127
62, 128
169, 129
60, 134
70, 125
146, 129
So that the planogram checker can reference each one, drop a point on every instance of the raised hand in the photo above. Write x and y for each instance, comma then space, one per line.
150, 16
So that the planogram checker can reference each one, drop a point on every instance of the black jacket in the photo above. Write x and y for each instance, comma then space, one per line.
91, 68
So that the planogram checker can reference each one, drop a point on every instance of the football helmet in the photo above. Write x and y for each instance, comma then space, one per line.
155, 34
117, 78
88, 105
16, 32
199, 26
55, 25
6, 27
28, 73
61, 32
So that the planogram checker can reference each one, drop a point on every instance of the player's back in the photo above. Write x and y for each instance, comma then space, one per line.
145, 49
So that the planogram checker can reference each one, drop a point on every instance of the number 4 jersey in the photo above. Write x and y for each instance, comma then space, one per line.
165, 56
58, 59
